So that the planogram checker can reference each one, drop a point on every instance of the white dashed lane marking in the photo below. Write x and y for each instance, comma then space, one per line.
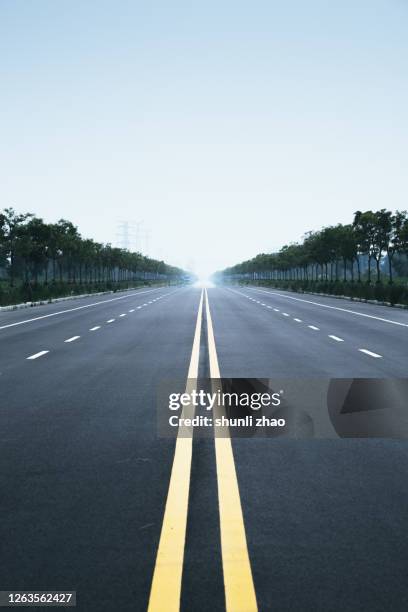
61, 312
370, 353
74, 338
36, 355
353, 312
314, 328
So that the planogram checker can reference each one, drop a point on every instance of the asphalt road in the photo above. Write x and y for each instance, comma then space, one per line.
319, 524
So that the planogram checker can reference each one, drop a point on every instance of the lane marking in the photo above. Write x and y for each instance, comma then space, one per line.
285, 314
37, 355
370, 353
95, 328
72, 339
139, 307
54, 314
238, 582
314, 327
165, 591
298, 320
123, 314
110, 320
336, 338
355, 312
132, 310
276, 309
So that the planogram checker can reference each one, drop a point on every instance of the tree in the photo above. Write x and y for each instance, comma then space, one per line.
10, 224
398, 239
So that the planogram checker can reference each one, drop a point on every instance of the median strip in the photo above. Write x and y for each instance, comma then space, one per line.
165, 591
238, 582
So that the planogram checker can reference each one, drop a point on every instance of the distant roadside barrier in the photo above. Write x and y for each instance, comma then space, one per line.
35, 293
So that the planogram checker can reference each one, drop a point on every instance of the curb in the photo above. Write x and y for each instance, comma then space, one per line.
63, 299
338, 297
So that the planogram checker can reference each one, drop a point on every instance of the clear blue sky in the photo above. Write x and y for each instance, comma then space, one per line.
230, 128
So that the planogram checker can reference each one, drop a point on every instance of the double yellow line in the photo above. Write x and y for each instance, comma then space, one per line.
238, 583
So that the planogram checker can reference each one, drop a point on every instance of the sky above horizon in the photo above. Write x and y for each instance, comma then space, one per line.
228, 128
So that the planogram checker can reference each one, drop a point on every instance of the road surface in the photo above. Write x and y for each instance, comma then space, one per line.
94, 500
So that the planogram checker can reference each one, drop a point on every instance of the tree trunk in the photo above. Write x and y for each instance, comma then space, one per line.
377, 263
390, 267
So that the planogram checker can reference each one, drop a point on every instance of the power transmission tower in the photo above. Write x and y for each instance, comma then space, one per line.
128, 235
132, 236
147, 236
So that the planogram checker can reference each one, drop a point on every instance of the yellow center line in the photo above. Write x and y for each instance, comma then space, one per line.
238, 583
166, 584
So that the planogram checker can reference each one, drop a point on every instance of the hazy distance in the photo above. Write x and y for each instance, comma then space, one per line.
228, 129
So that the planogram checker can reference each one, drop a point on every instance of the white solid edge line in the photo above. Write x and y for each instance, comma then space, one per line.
72, 339
360, 314
336, 338
367, 352
54, 314
36, 355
